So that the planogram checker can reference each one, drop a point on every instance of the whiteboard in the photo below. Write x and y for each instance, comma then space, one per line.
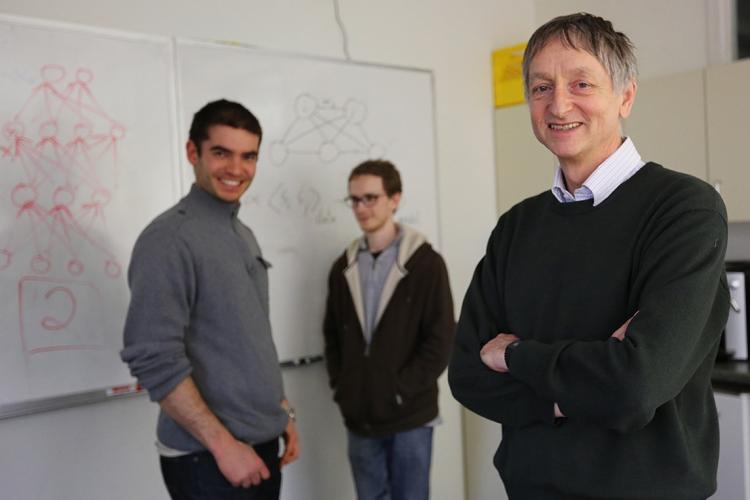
87, 159
320, 118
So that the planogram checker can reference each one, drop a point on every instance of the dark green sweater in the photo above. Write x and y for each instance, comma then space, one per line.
641, 420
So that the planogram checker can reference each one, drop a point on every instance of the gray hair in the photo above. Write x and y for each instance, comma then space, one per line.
590, 33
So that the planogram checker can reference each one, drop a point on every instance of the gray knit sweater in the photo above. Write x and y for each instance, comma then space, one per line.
199, 307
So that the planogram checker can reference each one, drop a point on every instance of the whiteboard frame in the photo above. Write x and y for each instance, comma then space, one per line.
32, 406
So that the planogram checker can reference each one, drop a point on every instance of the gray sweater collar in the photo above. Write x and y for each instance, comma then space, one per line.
209, 204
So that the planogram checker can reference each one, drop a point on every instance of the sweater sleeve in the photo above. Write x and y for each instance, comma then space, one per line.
496, 396
682, 304
436, 330
162, 285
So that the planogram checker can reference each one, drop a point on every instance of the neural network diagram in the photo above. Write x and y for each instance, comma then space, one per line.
327, 130
59, 161
60, 150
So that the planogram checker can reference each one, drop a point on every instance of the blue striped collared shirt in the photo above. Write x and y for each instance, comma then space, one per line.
615, 170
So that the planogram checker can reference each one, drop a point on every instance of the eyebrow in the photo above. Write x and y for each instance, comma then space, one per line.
580, 71
222, 149
363, 195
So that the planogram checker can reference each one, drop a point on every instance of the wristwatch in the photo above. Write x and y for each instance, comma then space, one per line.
511, 347
289, 412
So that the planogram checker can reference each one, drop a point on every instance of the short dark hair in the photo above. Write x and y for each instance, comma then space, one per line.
380, 168
222, 112
590, 33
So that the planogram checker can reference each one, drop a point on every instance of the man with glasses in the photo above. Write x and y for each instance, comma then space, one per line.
388, 332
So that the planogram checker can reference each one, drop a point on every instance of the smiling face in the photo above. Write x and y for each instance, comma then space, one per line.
575, 112
380, 214
225, 163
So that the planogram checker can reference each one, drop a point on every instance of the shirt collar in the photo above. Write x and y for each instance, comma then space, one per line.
396, 241
206, 201
619, 167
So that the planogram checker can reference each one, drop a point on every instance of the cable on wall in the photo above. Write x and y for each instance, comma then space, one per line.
344, 37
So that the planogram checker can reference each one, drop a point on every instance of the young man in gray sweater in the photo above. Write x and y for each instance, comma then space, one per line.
197, 333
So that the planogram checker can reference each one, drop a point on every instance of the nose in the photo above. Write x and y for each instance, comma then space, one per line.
234, 166
560, 102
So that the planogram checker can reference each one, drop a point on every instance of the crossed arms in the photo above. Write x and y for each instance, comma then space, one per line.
619, 381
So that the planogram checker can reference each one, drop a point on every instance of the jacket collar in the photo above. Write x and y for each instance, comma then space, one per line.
411, 240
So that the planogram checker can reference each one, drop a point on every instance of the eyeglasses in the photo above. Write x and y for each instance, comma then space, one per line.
367, 200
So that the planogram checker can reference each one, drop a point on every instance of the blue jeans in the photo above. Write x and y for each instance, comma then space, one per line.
197, 477
396, 467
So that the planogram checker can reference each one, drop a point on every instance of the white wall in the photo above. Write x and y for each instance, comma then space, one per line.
106, 450
670, 36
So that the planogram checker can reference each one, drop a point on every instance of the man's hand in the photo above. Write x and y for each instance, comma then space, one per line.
291, 444
239, 463
493, 352
620, 332
558, 412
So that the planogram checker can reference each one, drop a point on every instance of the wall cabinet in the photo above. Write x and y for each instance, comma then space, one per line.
728, 118
668, 122
697, 122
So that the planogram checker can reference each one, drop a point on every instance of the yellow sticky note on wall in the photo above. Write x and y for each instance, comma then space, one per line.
507, 75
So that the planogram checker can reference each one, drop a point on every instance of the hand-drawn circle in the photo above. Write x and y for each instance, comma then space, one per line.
101, 197
356, 112
328, 151
52, 323
84, 75
52, 73
112, 269
82, 130
305, 105
48, 129
117, 131
40, 264
23, 195
63, 196
75, 267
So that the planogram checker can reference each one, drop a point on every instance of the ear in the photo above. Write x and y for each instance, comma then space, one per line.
628, 98
395, 200
192, 152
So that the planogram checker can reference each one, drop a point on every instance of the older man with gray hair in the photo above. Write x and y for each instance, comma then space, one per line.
591, 325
